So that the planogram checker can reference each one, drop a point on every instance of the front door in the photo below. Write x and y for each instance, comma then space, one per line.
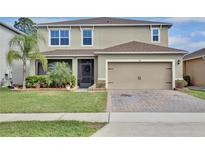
85, 75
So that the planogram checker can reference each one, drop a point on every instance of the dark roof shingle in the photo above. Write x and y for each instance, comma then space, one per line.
105, 21
70, 52
196, 54
133, 46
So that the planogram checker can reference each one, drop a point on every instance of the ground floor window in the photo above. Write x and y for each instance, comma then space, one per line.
51, 65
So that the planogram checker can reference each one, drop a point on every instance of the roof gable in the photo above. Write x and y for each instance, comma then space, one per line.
196, 54
138, 47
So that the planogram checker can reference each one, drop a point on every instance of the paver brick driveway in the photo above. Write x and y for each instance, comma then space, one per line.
153, 101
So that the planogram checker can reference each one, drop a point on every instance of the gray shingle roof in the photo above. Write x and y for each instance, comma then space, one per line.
105, 21
133, 46
70, 52
196, 54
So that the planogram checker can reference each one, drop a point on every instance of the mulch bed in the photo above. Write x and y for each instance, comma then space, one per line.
44, 89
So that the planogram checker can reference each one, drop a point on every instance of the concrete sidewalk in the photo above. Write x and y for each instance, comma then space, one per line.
90, 117
119, 117
127, 124
156, 117
152, 130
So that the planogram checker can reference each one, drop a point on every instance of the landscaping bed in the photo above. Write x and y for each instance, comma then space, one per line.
48, 129
44, 89
51, 101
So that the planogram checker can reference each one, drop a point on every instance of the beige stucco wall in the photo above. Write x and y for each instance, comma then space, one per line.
196, 70
5, 36
102, 62
107, 36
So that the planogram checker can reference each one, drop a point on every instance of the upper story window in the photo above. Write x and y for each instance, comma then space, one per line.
59, 37
155, 35
87, 37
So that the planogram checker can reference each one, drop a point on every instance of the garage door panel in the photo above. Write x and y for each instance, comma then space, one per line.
128, 75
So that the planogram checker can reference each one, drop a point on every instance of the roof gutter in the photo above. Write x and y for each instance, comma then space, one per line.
69, 55
60, 25
11, 28
196, 57
174, 52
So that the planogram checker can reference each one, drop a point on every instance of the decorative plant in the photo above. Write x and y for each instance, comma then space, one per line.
180, 83
187, 78
25, 48
37, 80
60, 75
72, 80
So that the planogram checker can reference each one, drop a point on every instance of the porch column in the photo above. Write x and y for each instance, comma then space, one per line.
75, 68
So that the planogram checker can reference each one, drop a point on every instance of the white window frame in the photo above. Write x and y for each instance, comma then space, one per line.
59, 29
152, 29
82, 29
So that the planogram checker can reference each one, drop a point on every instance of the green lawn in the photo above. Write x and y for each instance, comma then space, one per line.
51, 101
48, 129
196, 93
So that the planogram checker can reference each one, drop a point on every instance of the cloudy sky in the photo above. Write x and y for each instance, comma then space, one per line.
186, 33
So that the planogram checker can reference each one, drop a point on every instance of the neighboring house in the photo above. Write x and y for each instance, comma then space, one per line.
114, 53
6, 34
194, 66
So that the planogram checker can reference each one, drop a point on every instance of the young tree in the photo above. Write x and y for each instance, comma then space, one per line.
25, 25
25, 48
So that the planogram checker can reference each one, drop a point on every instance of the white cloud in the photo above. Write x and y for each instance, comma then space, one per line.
182, 19
178, 40
53, 19
46, 19
201, 33
197, 45
185, 43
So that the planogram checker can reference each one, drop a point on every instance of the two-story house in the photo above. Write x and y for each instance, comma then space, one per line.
115, 53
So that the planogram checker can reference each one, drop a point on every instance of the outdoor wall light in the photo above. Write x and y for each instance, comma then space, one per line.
178, 62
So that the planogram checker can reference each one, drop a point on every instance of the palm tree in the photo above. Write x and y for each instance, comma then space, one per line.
25, 48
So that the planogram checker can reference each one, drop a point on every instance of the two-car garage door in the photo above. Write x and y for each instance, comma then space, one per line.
139, 75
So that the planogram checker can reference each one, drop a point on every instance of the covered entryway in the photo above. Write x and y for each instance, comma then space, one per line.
85, 72
139, 75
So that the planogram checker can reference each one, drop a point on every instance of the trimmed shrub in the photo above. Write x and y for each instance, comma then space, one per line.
100, 84
72, 81
36, 81
180, 83
187, 78
61, 75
